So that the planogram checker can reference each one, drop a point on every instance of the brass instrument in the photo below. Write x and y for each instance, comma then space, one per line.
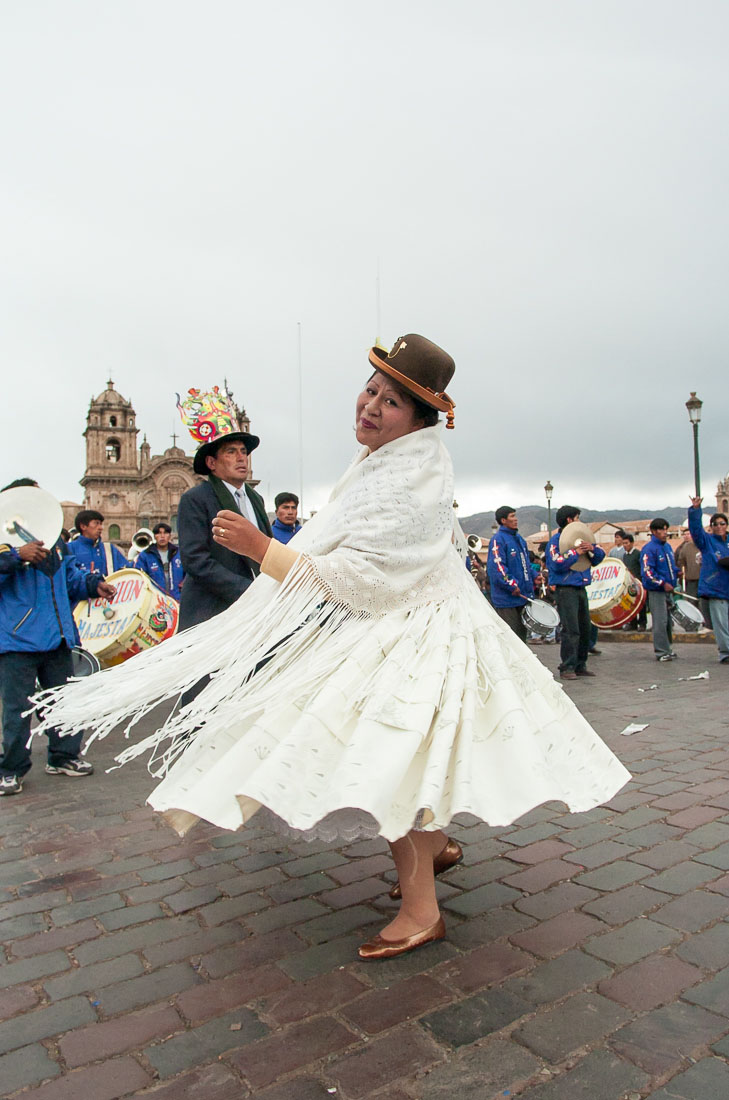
141, 540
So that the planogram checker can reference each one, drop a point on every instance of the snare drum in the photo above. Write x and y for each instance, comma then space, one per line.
540, 617
140, 616
615, 596
687, 616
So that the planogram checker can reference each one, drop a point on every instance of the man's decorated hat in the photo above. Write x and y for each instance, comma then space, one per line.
210, 416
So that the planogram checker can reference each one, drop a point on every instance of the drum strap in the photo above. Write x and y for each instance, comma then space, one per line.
109, 559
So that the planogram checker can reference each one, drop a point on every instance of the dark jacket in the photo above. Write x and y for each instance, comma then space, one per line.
657, 565
36, 601
713, 581
214, 576
559, 566
508, 569
91, 555
150, 562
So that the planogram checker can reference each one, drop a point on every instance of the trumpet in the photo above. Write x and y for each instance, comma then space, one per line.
141, 539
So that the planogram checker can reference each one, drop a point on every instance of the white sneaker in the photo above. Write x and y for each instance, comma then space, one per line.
10, 784
71, 767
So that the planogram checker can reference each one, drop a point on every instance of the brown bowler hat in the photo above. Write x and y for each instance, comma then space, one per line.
422, 368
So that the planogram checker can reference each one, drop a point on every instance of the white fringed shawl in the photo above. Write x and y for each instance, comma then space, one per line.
374, 690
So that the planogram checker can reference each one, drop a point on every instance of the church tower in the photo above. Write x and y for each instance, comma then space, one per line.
111, 435
112, 472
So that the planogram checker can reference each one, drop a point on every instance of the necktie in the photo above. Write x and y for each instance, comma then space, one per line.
239, 502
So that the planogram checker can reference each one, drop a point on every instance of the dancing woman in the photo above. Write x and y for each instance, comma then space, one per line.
362, 685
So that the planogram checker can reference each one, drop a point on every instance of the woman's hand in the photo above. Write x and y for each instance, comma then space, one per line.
238, 534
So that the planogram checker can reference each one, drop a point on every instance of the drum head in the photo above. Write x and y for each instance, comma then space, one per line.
84, 663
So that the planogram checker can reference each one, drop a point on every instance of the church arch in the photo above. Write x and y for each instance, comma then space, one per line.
112, 450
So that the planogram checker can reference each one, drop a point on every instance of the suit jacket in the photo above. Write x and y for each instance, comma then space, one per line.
214, 576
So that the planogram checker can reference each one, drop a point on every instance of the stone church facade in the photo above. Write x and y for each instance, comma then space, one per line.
722, 496
130, 486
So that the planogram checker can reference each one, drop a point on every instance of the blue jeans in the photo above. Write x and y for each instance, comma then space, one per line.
18, 675
720, 625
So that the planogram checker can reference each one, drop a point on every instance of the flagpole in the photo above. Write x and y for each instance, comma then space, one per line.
301, 429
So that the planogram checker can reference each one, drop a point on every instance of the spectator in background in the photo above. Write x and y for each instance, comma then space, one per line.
285, 524
618, 550
91, 553
631, 561
162, 563
688, 559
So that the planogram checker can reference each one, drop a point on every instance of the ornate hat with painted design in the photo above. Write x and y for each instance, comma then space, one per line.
420, 367
211, 416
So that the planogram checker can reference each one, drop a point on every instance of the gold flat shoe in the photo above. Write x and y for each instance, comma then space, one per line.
389, 949
447, 858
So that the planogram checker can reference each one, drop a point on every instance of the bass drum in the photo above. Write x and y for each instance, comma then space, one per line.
615, 596
84, 663
540, 617
139, 616
687, 616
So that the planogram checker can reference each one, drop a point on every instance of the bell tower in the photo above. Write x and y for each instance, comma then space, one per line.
112, 472
111, 435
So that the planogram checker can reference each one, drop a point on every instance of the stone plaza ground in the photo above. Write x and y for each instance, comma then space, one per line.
587, 955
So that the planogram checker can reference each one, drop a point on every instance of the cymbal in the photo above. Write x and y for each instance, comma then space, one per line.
572, 534
27, 511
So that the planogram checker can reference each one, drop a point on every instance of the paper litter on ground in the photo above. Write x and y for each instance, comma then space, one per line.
653, 687
633, 728
699, 676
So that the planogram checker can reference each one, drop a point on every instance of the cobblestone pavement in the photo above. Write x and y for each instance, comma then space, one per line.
587, 955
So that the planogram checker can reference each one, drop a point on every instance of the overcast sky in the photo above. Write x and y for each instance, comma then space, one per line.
543, 185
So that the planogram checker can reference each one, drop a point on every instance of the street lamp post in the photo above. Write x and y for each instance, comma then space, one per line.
548, 490
694, 410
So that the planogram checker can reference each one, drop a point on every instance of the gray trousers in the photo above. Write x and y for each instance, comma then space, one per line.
720, 625
661, 620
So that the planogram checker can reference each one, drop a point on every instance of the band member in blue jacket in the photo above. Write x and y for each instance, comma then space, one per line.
92, 554
509, 571
713, 578
38, 586
658, 572
162, 562
571, 597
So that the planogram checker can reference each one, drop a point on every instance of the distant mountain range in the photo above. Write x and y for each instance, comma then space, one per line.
532, 516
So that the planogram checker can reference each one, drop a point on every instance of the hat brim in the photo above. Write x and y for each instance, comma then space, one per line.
439, 401
199, 464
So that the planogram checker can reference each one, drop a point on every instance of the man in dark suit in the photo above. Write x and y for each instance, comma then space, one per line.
214, 576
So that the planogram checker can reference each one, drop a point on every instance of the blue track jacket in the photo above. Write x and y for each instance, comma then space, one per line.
657, 565
150, 562
559, 566
36, 600
509, 568
283, 532
713, 580
91, 556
